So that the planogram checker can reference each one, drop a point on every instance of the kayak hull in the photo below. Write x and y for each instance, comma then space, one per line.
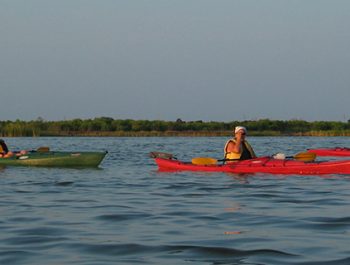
337, 151
261, 165
55, 159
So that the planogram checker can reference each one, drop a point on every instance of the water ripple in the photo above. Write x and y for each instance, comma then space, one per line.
215, 255
123, 217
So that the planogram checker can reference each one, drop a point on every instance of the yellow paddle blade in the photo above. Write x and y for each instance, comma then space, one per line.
204, 161
305, 156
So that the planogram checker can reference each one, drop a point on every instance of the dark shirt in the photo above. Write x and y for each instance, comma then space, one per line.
245, 153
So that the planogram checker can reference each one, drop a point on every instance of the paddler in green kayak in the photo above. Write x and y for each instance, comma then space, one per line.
238, 148
5, 153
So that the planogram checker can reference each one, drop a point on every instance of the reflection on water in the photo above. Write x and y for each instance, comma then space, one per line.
129, 213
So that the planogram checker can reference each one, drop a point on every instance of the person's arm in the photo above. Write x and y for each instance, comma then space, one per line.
234, 147
238, 145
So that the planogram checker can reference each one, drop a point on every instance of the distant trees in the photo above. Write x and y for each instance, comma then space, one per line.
118, 127
19, 128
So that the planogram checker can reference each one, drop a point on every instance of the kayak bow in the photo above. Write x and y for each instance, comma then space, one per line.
337, 151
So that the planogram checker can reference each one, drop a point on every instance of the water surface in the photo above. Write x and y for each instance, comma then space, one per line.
126, 212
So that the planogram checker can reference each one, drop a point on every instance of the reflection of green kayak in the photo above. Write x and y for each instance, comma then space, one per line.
55, 159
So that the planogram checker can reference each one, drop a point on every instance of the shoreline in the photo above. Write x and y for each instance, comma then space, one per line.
181, 134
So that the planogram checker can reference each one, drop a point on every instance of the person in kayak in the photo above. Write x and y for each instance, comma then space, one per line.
4, 151
238, 148
3, 148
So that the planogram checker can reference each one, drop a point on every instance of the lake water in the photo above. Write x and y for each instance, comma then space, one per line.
126, 212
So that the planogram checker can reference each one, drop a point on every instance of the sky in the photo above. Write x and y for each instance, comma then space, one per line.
210, 60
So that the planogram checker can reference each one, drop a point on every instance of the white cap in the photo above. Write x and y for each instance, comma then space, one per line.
238, 128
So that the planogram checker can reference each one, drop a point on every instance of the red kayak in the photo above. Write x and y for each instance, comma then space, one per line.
260, 165
337, 151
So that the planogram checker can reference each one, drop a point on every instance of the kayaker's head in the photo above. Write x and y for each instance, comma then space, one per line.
240, 130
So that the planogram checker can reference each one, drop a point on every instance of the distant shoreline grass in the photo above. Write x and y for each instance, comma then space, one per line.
106, 126
189, 134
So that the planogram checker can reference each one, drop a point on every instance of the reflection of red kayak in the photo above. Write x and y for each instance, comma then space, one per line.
337, 151
261, 165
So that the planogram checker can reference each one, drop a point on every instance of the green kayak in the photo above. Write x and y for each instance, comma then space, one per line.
55, 159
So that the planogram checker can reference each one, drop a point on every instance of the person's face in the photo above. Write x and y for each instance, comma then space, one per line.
241, 133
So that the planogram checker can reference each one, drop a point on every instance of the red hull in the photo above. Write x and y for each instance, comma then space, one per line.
262, 165
338, 151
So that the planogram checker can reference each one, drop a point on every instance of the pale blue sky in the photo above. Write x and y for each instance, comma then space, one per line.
205, 60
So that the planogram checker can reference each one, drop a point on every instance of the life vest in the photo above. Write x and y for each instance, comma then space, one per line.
247, 151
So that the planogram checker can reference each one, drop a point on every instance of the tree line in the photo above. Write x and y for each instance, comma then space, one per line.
106, 126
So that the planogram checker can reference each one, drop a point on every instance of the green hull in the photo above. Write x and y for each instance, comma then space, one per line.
56, 159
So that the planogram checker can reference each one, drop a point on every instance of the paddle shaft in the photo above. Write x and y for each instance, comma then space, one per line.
305, 156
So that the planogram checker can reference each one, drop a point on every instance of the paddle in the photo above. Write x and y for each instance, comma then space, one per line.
304, 156
205, 161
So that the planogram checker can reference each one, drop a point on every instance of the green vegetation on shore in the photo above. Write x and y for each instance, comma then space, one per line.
105, 126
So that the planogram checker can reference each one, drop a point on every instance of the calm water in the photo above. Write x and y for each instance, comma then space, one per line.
128, 213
